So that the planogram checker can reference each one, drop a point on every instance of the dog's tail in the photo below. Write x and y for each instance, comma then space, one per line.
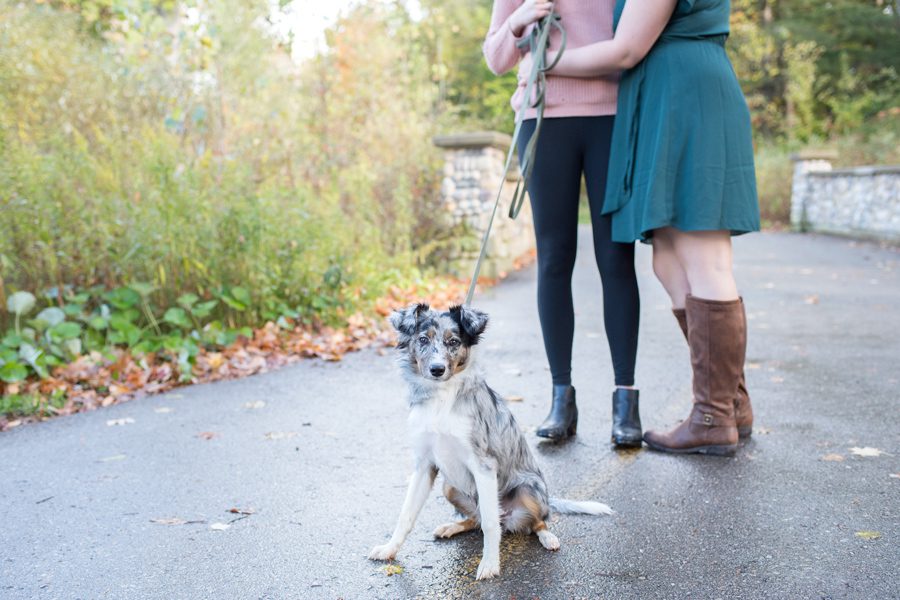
575, 507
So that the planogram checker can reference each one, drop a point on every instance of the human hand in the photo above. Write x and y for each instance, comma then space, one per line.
529, 12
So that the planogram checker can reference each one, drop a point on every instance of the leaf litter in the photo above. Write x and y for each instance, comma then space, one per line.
95, 380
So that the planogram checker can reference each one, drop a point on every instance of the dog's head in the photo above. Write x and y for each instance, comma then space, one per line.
437, 345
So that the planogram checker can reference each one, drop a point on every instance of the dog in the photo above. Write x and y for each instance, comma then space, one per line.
464, 430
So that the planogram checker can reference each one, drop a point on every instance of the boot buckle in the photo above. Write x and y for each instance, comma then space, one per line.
707, 419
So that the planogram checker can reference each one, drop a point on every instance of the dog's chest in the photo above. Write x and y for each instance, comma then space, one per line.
442, 435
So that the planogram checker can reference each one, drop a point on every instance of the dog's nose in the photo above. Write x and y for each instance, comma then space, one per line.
437, 370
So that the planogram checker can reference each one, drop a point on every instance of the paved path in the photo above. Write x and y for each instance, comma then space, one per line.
777, 521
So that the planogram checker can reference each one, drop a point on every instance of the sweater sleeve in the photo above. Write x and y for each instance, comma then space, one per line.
500, 51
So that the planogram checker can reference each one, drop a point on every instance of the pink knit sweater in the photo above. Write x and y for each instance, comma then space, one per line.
585, 22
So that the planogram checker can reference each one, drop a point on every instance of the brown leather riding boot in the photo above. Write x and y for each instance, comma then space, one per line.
717, 341
743, 410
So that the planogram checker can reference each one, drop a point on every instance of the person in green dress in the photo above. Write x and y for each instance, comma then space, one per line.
681, 176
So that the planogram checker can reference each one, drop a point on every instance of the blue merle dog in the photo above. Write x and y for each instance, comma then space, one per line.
463, 429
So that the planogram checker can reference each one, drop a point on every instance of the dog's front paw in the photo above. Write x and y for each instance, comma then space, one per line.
488, 568
383, 552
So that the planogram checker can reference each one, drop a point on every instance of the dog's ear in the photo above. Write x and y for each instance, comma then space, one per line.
405, 321
472, 323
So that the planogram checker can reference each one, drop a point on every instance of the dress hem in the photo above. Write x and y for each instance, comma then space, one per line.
646, 235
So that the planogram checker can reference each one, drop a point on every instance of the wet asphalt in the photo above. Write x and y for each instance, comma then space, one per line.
317, 452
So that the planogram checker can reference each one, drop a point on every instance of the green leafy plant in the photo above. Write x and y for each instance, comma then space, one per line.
124, 317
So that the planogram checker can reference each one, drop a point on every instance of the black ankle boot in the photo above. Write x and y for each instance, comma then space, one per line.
626, 418
563, 418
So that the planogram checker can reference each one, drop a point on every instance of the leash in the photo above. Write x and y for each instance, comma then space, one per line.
536, 86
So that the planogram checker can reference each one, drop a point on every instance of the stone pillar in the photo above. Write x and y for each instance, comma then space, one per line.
473, 172
807, 161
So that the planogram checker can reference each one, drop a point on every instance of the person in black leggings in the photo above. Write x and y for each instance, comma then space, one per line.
567, 148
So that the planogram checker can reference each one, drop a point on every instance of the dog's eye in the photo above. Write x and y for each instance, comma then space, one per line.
453, 343
423, 339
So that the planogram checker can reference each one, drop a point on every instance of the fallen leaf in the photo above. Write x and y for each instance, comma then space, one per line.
125, 421
280, 435
393, 569
895, 475
255, 405
215, 360
762, 430
219, 526
112, 458
814, 299
242, 511
867, 451
514, 398
833, 458
868, 535
169, 521
207, 435
162, 410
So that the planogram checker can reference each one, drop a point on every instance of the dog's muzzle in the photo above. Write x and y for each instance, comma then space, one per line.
437, 370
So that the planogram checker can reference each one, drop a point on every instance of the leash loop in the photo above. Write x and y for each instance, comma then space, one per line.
535, 87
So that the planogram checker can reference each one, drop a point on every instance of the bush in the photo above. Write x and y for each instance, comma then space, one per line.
192, 156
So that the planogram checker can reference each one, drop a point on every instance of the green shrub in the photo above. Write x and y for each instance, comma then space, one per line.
202, 162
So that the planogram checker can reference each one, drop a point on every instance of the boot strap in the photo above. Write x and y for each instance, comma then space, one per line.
708, 419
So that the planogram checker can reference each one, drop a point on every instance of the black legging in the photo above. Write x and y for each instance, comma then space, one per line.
567, 148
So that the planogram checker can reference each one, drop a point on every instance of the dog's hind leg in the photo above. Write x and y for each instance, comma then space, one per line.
448, 530
536, 512
547, 538
464, 505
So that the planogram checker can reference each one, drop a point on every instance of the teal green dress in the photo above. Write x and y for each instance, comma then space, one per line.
682, 153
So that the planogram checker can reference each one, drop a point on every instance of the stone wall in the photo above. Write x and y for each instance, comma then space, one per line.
859, 202
473, 171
